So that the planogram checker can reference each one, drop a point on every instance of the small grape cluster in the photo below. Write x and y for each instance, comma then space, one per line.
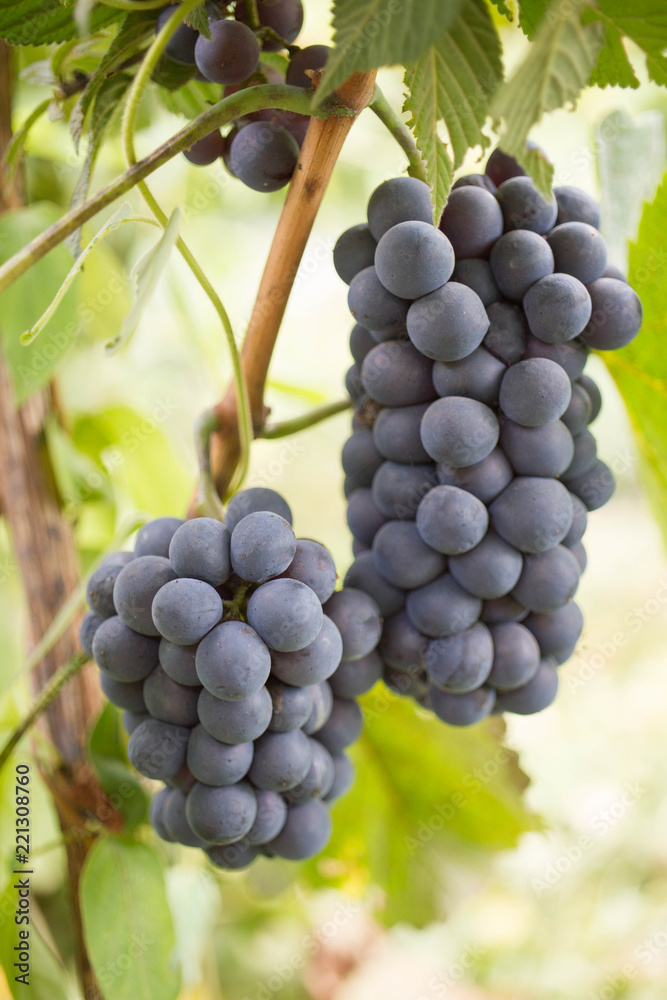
471, 469
237, 665
261, 149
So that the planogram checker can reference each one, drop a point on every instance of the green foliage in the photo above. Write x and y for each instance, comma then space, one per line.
32, 366
127, 925
372, 33
191, 99
48, 977
453, 82
36, 22
531, 13
554, 73
423, 790
106, 749
645, 22
613, 68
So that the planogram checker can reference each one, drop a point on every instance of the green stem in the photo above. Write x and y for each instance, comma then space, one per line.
251, 14
270, 95
129, 117
401, 133
207, 503
49, 693
296, 424
132, 4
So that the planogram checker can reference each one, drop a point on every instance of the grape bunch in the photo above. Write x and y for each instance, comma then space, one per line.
471, 468
262, 149
237, 666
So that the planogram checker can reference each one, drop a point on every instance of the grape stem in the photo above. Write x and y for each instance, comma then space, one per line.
310, 419
271, 95
208, 502
252, 15
49, 693
401, 133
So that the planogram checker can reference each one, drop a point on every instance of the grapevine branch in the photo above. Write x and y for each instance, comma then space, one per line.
323, 143
302, 423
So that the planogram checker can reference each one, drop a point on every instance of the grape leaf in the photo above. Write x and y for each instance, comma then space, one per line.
640, 369
555, 71
48, 977
190, 100
106, 748
372, 33
423, 790
198, 19
126, 921
531, 13
504, 9
645, 22
613, 68
37, 22
453, 82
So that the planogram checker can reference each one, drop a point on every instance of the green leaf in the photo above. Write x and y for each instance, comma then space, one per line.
191, 99
423, 791
48, 977
198, 19
613, 68
645, 22
127, 925
32, 366
372, 33
555, 71
17, 145
531, 13
640, 370
38, 22
146, 274
107, 752
452, 83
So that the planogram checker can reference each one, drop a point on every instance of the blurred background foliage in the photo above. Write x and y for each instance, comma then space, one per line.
458, 867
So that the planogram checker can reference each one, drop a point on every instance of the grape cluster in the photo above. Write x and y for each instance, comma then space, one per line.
471, 467
262, 149
237, 665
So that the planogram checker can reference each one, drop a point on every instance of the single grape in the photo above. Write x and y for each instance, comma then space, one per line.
402, 558
87, 631
537, 451
571, 356
221, 815
235, 721
578, 414
485, 480
123, 654
395, 373
451, 520
523, 207
534, 696
413, 259
396, 433
155, 537
354, 252
516, 656
374, 306
579, 250
169, 701
181, 45
343, 726
478, 376
402, 646
462, 662
353, 383
281, 760
306, 832
292, 706
595, 487
489, 570
363, 517
176, 822
557, 308
270, 818
178, 662
230, 55
462, 709
363, 575
313, 565
304, 63
579, 521
155, 814
286, 614
215, 763
358, 548
475, 180
206, 151
442, 608
361, 342
185, 610
255, 499
99, 589
507, 333
447, 324
574, 205
319, 779
535, 392
579, 553
617, 315
135, 588
157, 749
398, 489
587, 383
549, 580
459, 432
503, 609
501, 166
131, 720
472, 221
314, 662
357, 618
199, 549
401, 199
584, 458
232, 857
360, 458
263, 155
129, 696
262, 546
518, 260
477, 274
557, 632
532, 514
232, 662
611, 271
353, 678
285, 17
322, 705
